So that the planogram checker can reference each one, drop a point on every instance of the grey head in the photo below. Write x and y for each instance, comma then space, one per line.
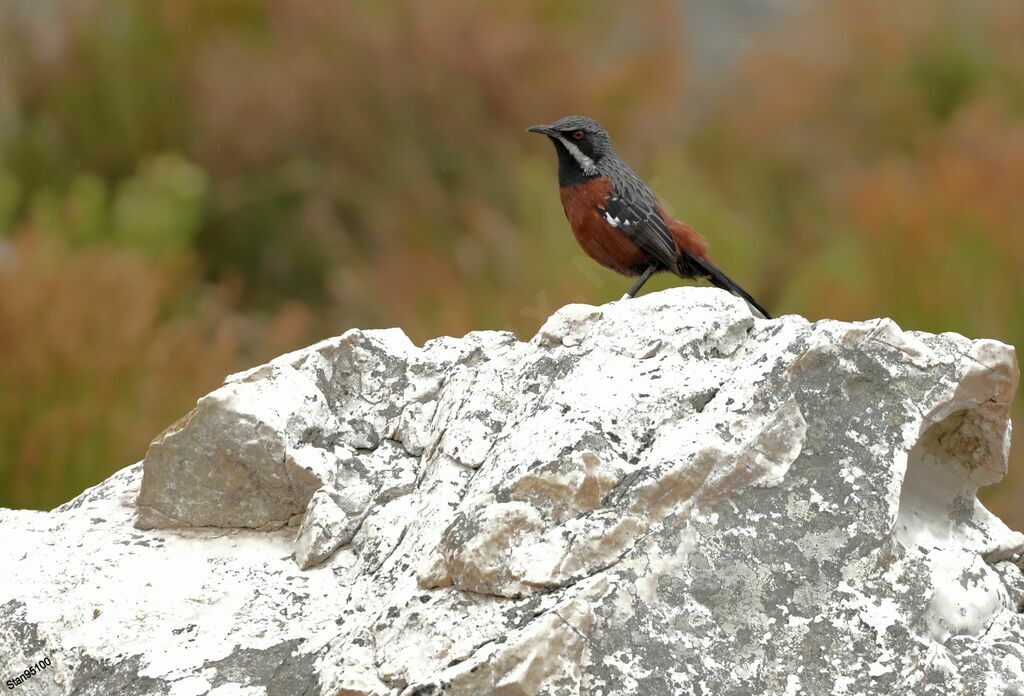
582, 144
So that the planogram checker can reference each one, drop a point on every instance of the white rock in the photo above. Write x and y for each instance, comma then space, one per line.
237, 459
656, 496
325, 527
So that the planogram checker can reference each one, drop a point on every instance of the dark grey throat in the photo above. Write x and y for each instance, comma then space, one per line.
574, 167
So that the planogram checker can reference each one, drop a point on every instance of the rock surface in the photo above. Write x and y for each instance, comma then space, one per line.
657, 496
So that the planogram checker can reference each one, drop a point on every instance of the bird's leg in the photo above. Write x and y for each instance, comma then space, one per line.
644, 277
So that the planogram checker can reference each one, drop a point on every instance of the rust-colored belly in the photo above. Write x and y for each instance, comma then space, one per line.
602, 242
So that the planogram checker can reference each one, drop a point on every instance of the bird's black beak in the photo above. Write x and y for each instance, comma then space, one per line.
543, 130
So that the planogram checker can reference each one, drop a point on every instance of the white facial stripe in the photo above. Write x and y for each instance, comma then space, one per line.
586, 164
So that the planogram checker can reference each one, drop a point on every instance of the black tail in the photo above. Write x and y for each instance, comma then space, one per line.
721, 280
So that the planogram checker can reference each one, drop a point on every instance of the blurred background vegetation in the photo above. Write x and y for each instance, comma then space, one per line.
190, 187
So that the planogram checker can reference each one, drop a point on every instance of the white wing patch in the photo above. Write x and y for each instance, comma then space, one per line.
641, 222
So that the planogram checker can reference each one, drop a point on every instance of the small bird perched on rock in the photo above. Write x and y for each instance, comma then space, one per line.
616, 217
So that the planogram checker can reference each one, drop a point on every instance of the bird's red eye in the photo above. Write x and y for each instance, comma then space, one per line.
578, 135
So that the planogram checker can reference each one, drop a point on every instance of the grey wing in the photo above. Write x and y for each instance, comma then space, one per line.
643, 224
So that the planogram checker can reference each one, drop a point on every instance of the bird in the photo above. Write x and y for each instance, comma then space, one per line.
617, 219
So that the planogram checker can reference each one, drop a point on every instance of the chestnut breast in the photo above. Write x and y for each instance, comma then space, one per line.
602, 242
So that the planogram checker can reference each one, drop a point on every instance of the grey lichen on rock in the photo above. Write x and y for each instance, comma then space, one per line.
655, 496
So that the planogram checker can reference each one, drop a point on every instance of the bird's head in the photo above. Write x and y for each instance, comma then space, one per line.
581, 143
